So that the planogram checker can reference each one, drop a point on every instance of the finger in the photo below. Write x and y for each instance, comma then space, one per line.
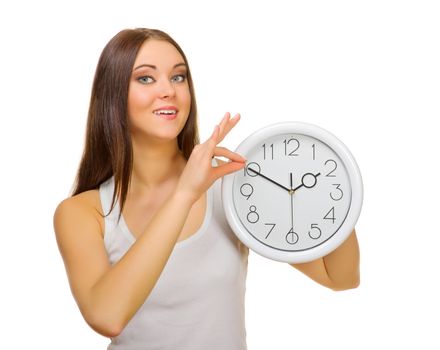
227, 116
224, 122
222, 125
214, 136
227, 168
227, 125
224, 152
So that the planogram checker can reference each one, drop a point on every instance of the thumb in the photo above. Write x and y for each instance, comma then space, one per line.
227, 168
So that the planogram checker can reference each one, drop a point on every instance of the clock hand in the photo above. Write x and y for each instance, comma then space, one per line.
291, 200
302, 181
274, 182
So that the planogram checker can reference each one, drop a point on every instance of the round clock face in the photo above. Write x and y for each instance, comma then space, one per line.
298, 196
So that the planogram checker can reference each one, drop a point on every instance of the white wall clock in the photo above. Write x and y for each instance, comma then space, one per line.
299, 195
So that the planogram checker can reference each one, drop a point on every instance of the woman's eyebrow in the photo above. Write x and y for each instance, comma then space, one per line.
154, 67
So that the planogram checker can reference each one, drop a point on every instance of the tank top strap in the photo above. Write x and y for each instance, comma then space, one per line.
106, 195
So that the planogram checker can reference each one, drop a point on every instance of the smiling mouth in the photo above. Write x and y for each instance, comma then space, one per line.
166, 114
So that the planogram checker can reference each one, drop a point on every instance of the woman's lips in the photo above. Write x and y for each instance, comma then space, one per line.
167, 116
166, 112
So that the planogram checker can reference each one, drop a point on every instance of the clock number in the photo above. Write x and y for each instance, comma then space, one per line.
264, 150
256, 167
313, 151
253, 216
243, 190
330, 215
336, 197
332, 171
316, 233
293, 152
273, 225
292, 237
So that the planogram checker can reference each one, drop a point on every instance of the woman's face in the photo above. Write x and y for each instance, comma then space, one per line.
159, 100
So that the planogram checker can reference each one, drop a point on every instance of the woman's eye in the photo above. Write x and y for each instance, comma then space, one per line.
175, 79
179, 78
145, 80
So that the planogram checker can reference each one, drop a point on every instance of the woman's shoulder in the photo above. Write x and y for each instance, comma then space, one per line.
84, 205
87, 199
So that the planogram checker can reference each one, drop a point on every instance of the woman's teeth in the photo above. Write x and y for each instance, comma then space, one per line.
167, 112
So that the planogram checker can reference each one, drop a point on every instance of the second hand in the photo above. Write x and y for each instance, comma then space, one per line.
291, 199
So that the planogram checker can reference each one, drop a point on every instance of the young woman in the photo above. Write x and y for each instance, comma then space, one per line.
151, 260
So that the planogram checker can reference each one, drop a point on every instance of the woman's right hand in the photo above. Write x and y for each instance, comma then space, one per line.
199, 174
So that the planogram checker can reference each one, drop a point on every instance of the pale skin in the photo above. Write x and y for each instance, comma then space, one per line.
164, 184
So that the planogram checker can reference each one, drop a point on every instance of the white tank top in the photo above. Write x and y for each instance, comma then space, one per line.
198, 302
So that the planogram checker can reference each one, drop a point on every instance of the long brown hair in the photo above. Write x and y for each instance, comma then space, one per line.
108, 150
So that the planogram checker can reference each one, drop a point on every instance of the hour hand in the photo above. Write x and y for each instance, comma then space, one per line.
308, 180
274, 182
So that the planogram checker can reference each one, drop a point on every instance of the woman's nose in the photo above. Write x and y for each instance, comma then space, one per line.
166, 88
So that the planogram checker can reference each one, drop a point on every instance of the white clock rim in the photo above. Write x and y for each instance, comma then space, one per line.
354, 175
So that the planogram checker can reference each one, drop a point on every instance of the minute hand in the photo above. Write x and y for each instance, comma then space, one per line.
274, 182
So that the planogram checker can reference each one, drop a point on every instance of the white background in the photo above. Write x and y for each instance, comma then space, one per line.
368, 71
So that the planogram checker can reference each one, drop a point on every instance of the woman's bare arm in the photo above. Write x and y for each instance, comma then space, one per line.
338, 270
109, 296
